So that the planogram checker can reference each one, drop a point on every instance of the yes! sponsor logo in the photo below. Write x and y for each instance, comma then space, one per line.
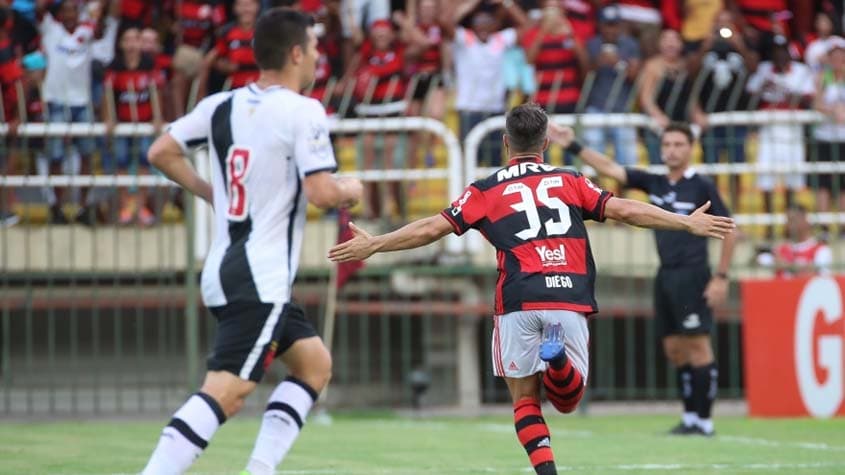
552, 257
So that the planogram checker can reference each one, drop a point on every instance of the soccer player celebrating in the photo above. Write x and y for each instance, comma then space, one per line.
533, 214
684, 290
268, 145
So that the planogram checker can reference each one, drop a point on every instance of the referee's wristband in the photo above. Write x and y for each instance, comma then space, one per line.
721, 275
575, 148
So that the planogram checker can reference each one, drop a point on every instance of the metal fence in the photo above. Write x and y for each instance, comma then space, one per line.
106, 319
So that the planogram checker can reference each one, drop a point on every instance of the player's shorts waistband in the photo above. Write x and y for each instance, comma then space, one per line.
551, 311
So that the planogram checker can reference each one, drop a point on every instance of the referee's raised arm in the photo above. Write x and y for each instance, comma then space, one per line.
605, 166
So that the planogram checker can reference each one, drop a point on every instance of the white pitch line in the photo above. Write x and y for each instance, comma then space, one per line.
776, 443
509, 429
644, 467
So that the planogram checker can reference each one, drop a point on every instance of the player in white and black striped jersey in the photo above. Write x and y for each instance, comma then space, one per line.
270, 154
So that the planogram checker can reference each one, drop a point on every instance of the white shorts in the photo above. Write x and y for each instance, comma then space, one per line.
781, 145
517, 337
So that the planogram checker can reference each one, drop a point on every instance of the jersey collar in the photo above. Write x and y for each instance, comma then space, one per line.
688, 174
530, 157
256, 89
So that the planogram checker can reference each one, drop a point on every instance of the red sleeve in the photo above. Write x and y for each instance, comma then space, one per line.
467, 210
593, 199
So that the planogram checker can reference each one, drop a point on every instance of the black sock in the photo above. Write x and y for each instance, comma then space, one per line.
560, 362
547, 468
685, 385
705, 384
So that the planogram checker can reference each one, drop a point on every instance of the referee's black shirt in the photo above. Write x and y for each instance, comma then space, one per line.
679, 248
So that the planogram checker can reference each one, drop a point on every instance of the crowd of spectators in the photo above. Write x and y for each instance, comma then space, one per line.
137, 61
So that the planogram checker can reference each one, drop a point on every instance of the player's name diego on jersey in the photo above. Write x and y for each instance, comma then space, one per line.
558, 282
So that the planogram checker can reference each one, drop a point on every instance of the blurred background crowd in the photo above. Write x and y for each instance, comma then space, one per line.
459, 61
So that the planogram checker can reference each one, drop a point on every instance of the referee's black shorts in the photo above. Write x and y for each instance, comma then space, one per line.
679, 304
251, 334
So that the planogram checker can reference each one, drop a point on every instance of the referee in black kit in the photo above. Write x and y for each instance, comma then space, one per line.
685, 293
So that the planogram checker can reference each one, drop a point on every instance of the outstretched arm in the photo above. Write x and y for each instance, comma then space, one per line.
645, 215
605, 166
417, 234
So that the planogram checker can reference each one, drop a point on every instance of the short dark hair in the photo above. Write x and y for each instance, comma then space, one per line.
681, 127
276, 32
526, 126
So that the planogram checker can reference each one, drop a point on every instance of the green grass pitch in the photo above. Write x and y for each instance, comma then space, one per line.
372, 445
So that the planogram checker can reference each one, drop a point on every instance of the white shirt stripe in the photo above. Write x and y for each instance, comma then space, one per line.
263, 339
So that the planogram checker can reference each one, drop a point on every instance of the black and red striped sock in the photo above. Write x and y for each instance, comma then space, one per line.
564, 386
533, 434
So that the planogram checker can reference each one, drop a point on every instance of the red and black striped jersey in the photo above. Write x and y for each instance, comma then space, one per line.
533, 214
430, 61
385, 68
132, 89
235, 44
558, 76
198, 19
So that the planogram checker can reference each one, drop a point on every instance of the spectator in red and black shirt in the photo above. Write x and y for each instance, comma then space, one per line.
132, 85
196, 22
380, 82
233, 54
559, 59
422, 31
534, 216
151, 46
380, 91
427, 59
